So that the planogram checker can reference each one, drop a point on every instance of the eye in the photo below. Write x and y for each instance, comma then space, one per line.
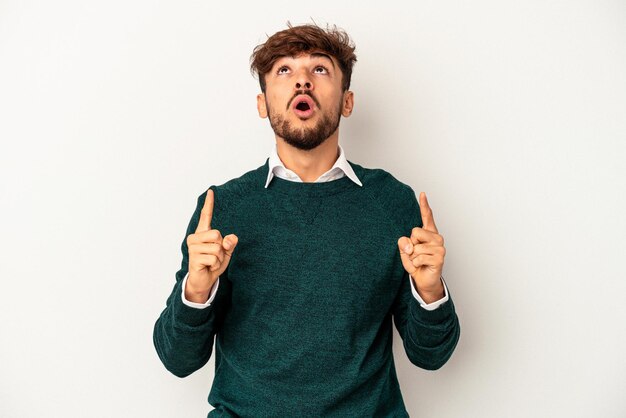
280, 69
321, 67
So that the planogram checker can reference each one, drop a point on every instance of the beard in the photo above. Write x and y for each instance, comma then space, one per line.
305, 138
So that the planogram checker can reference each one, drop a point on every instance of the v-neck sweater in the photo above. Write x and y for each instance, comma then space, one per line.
302, 322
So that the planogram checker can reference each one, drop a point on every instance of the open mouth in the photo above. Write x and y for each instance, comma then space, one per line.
303, 106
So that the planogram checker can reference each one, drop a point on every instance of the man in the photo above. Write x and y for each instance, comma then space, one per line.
298, 266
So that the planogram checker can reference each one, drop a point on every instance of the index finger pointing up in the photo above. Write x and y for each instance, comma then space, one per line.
427, 214
204, 224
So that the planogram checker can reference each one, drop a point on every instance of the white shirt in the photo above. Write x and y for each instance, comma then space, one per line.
340, 169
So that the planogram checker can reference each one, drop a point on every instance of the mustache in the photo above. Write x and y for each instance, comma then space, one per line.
306, 93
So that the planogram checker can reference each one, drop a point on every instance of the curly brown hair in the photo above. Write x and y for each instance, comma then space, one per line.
307, 38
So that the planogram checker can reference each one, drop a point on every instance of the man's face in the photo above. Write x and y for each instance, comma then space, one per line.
304, 99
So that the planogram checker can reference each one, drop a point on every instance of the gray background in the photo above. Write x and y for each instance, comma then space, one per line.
116, 115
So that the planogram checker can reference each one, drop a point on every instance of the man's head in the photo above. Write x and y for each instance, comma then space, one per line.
304, 73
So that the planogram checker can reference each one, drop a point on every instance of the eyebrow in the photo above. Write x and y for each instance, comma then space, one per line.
320, 55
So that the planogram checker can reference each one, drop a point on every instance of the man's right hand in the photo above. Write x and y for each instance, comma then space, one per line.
209, 254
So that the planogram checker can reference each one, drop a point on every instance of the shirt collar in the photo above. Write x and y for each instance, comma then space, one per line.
339, 169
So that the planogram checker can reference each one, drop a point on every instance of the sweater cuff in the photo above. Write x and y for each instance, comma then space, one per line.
188, 315
439, 315
196, 304
433, 305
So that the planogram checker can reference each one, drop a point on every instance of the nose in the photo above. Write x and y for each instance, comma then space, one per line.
303, 81
307, 85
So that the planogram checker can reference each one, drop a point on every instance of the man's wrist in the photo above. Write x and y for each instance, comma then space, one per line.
430, 295
197, 295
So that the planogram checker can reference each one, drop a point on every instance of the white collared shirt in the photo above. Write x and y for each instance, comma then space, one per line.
340, 169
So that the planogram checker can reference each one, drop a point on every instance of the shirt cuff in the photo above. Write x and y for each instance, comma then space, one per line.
196, 304
433, 305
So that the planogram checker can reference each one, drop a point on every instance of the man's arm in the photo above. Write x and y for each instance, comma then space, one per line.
429, 336
183, 335
429, 333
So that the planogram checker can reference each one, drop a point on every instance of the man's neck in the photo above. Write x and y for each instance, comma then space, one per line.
309, 165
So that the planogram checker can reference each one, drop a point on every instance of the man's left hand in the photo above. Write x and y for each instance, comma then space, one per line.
422, 255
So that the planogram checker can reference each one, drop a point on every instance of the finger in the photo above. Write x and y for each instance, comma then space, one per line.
204, 224
212, 235
425, 260
405, 245
428, 222
204, 237
423, 249
229, 243
201, 261
421, 235
214, 248
406, 248
211, 260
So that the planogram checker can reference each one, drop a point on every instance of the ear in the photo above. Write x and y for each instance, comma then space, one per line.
348, 103
260, 105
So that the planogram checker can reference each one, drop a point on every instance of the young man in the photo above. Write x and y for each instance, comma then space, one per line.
298, 266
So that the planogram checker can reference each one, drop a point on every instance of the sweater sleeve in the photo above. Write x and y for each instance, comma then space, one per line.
429, 336
183, 335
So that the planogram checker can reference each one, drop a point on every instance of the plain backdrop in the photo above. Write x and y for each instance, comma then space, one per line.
115, 116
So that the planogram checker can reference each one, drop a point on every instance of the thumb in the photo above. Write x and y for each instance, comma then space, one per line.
405, 245
406, 249
230, 242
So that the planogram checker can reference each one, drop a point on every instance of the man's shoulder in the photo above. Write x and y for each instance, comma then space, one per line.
228, 193
381, 181
246, 181
396, 198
